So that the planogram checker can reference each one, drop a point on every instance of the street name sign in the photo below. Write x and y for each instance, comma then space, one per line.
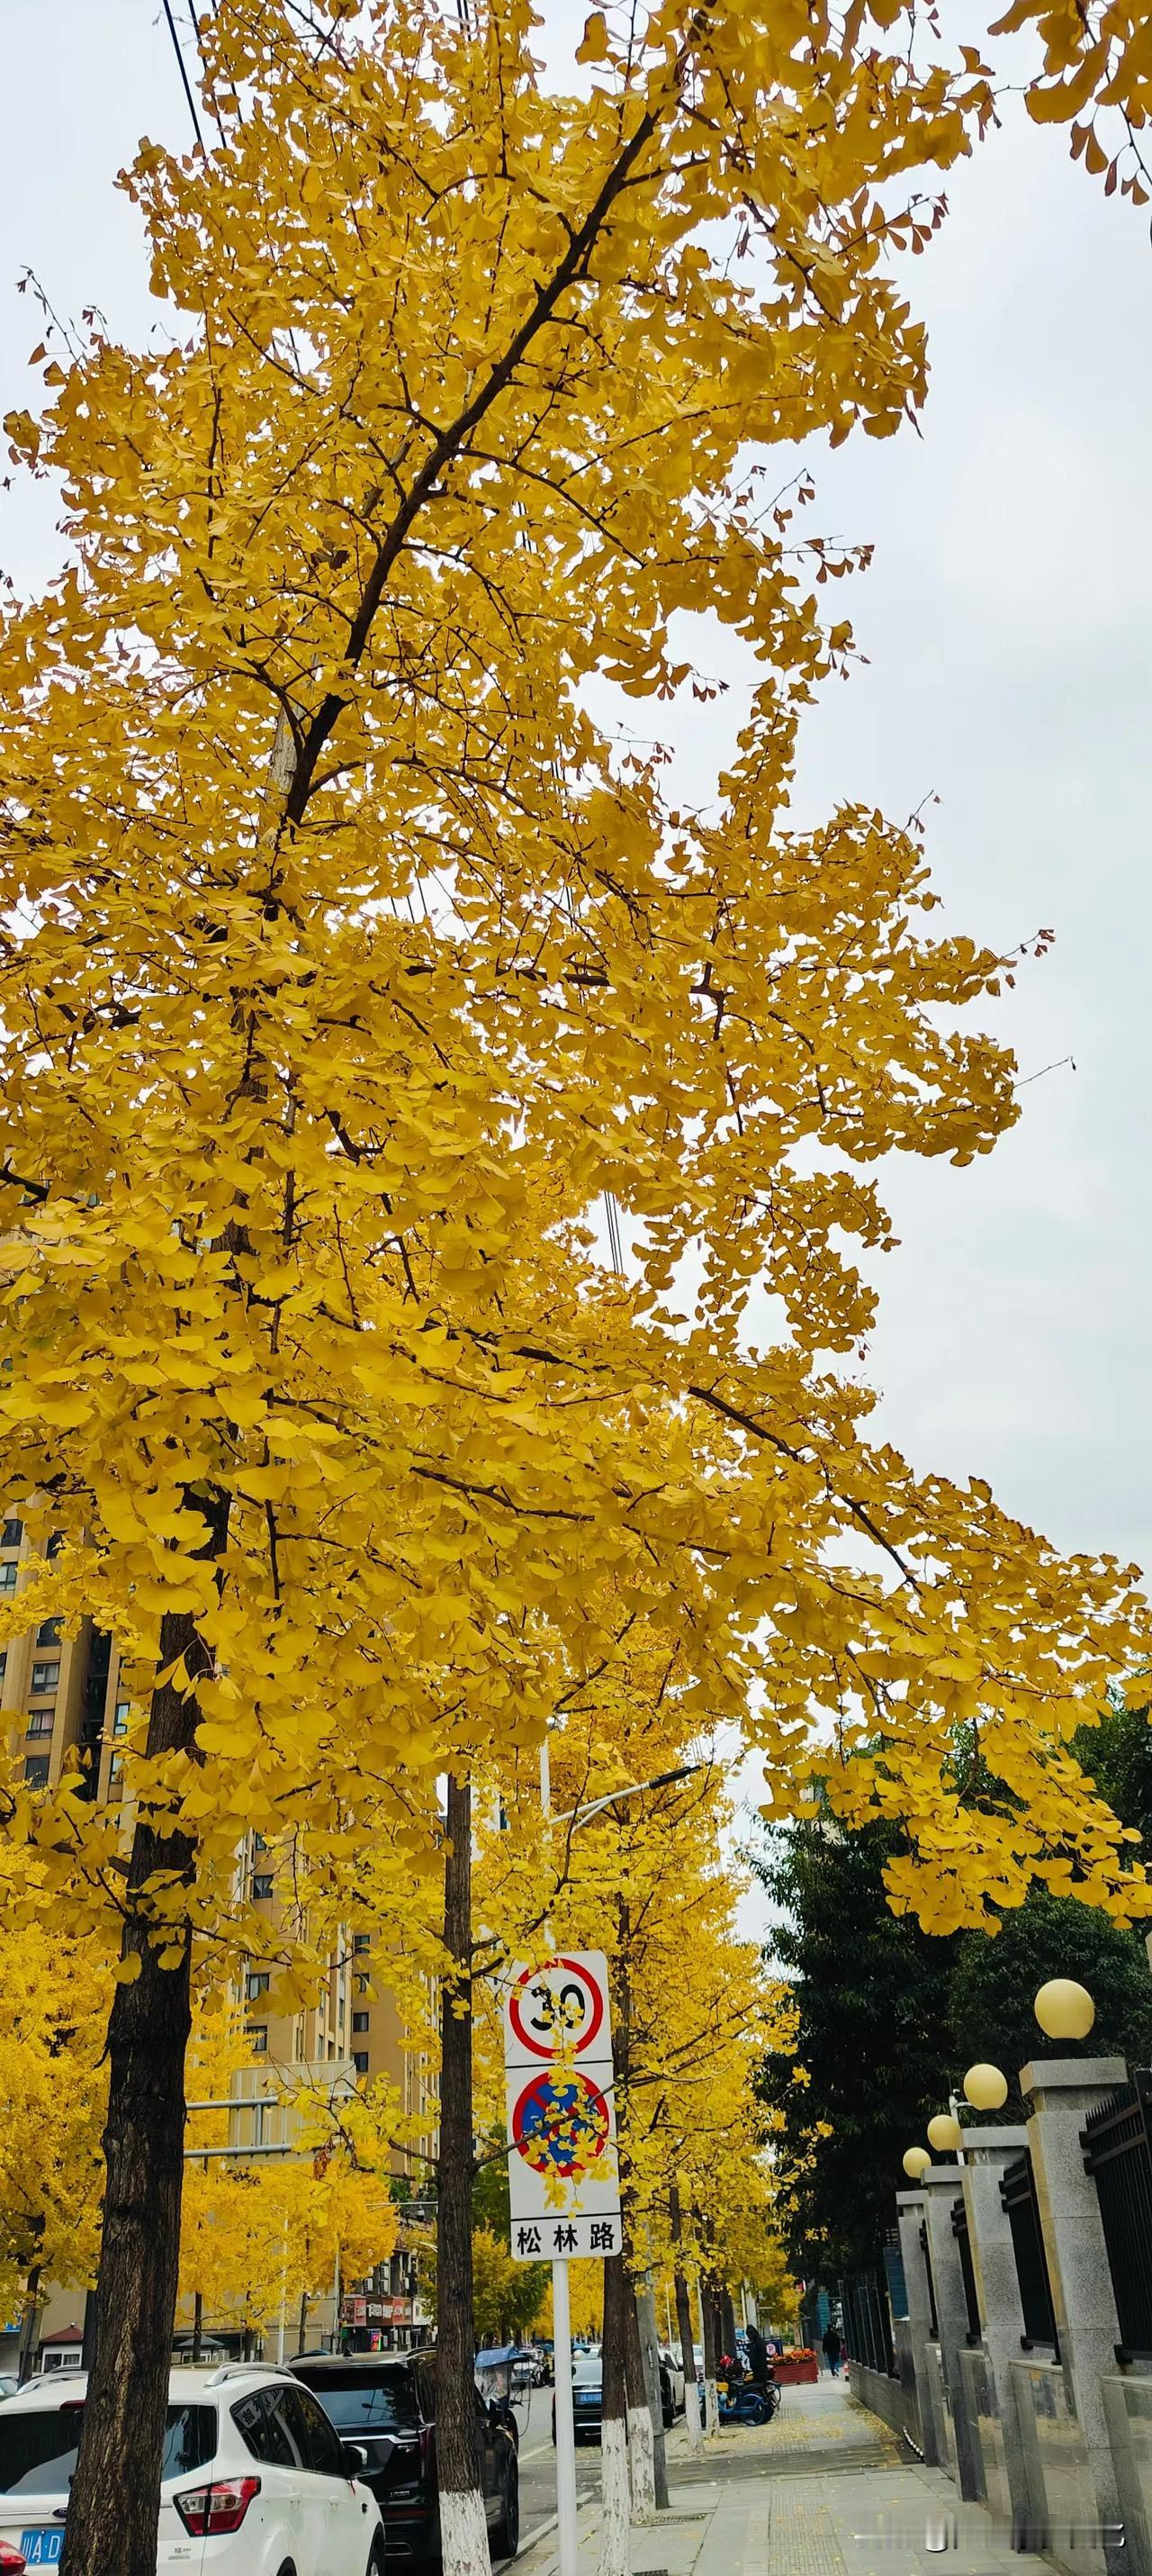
563, 2174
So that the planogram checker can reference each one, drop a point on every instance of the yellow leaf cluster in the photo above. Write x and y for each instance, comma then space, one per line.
354, 957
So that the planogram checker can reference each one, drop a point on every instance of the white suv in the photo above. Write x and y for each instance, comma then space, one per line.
255, 2480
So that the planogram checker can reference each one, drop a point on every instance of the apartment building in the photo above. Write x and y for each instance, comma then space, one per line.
61, 1696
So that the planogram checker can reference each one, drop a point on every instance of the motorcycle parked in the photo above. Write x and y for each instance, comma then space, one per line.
748, 2401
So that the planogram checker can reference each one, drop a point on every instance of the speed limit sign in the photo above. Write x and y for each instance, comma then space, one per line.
559, 2009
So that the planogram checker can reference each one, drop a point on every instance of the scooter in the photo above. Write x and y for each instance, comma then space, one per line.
748, 2402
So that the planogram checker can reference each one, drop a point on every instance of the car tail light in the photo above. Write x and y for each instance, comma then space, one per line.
220, 2507
11, 2561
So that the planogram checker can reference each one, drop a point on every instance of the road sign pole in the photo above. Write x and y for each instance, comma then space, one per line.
562, 2346
565, 2430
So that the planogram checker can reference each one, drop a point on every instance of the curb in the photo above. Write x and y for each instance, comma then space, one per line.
543, 2531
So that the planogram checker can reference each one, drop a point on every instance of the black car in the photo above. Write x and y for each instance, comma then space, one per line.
384, 2405
588, 2393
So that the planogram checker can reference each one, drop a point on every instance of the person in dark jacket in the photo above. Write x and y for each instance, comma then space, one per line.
832, 2351
757, 2358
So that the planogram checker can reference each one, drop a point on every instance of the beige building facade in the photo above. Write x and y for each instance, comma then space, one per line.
62, 1697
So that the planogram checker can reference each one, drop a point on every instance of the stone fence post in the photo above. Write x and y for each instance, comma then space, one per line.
1060, 2093
942, 2188
987, 2154
910, 2219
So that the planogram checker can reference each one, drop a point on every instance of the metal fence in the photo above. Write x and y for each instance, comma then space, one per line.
967, 2274
928, 2276
868, 2322
1118, 2155
1018, 2194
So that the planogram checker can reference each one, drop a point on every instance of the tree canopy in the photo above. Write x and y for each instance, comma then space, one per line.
888, 2017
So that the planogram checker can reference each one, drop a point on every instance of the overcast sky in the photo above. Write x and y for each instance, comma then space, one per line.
1006, 620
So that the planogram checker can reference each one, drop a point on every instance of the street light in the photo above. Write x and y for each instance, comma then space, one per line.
582, 1815
1064, 2010
985, 2088
916, 2161
945, 2133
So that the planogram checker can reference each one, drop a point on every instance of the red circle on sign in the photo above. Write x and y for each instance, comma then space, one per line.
588, 1986
561, 2125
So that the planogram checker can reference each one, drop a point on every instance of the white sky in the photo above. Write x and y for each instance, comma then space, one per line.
1007, 627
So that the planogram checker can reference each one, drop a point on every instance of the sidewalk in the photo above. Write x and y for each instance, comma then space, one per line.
823, 2491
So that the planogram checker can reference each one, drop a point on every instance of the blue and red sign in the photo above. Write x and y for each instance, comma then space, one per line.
561, 2125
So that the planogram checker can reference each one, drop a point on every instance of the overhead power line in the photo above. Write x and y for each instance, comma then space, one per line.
188, 92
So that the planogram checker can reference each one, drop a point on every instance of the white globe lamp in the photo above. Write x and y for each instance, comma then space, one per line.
985, 2088
1064, 2010
945, 2134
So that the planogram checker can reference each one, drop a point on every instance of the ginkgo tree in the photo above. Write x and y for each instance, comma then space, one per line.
55, 1992
348, 956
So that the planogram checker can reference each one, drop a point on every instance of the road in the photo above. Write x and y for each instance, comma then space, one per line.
538, 2465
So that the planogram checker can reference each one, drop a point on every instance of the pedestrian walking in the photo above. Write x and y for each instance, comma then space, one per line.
832, 2351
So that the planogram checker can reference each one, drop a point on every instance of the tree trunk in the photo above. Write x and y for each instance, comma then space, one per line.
197, 2327
613, 2422
708, 2315
303, 2330
114, 2506
463, 2525
684, 2326
28, 2326
642, 2415
688, 2355
650, 2348
727, 2323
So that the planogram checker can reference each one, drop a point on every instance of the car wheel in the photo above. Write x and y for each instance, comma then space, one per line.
376, 2561
506, 2537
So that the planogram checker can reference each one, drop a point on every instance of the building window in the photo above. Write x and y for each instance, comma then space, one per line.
361, 1941
45, 1676
259, 1842
257, 1983
8, 1574
40, 1721
36, 1771
258, 2039
359, 2021
361, 1985
3, 1662
48, 1633
120, 1721
11, 1534
360, 2060
261, 1885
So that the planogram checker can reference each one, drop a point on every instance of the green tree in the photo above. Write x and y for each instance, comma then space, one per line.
889, 2017
994, 1983
871, 1993
1118, 1755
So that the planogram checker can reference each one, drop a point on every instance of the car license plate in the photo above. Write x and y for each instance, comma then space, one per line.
42, 2548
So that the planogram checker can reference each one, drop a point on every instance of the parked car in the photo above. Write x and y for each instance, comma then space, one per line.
383, 2406
587, 2394
588, 2390
250, 2462
671, 2384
